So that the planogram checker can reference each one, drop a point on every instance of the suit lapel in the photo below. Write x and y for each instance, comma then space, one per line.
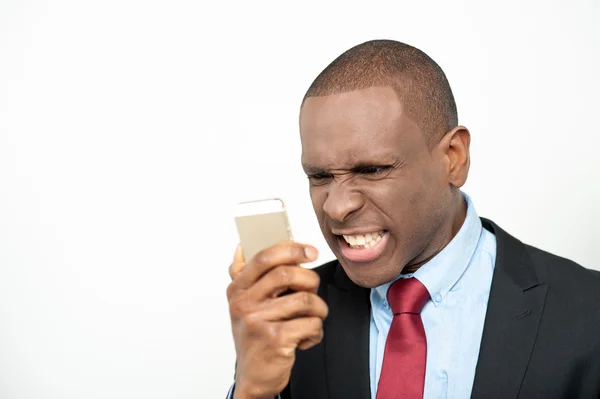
347, 339
513, 315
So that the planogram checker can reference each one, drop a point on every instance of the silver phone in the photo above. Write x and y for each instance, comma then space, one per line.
261, 224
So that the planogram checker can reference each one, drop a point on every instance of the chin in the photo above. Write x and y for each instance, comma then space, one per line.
368, 275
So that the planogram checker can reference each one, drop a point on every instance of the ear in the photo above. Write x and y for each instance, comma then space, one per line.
455, 145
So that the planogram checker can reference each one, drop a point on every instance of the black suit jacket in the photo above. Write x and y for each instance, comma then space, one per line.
541, 337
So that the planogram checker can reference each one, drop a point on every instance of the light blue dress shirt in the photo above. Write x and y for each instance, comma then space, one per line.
458, 280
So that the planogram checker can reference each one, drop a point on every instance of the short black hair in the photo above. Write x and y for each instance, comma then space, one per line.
418, 80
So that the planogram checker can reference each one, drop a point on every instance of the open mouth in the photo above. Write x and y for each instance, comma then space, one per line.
364, 240
363, 247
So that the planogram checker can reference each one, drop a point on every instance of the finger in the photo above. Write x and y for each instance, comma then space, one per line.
238, 263
305, 331
286, 253
296, 305
283, 278
310, 342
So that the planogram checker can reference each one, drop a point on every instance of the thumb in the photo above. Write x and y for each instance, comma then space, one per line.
238, 263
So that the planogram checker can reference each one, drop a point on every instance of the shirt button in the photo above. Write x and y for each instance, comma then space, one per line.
437, 298
386, 304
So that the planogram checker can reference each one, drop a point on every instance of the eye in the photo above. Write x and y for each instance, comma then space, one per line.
374, 170
318, 179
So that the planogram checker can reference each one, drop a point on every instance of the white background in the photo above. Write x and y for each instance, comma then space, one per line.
129, 128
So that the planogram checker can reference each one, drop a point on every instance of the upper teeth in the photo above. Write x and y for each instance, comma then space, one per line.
362, 239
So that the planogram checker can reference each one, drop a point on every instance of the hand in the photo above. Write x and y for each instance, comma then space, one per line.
267, 328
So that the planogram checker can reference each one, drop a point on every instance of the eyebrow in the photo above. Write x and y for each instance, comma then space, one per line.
313, 170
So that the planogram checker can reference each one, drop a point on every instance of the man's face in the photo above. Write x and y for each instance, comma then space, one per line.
380, 195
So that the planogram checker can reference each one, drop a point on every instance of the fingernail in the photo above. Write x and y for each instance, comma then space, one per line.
238, 252
311, 253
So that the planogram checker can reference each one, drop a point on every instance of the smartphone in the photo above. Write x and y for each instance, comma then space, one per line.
261, 224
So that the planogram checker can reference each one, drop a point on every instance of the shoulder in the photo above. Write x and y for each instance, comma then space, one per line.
565, 276
530, 265
571, 311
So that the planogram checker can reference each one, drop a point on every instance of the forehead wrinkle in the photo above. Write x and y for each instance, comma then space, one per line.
369, 126
348, 164
355, 147
377, 103
379, 113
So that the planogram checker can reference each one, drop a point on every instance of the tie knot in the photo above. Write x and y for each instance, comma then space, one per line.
407, 295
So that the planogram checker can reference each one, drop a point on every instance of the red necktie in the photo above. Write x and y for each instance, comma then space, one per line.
403, 371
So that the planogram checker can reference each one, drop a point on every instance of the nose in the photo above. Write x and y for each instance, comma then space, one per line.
341, 202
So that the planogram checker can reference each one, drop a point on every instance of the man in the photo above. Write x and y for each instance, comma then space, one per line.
425, 298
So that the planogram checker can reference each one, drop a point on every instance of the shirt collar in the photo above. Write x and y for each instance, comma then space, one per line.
443, 271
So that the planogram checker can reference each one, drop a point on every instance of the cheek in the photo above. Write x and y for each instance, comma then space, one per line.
396, 199
412, 202
431, 198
